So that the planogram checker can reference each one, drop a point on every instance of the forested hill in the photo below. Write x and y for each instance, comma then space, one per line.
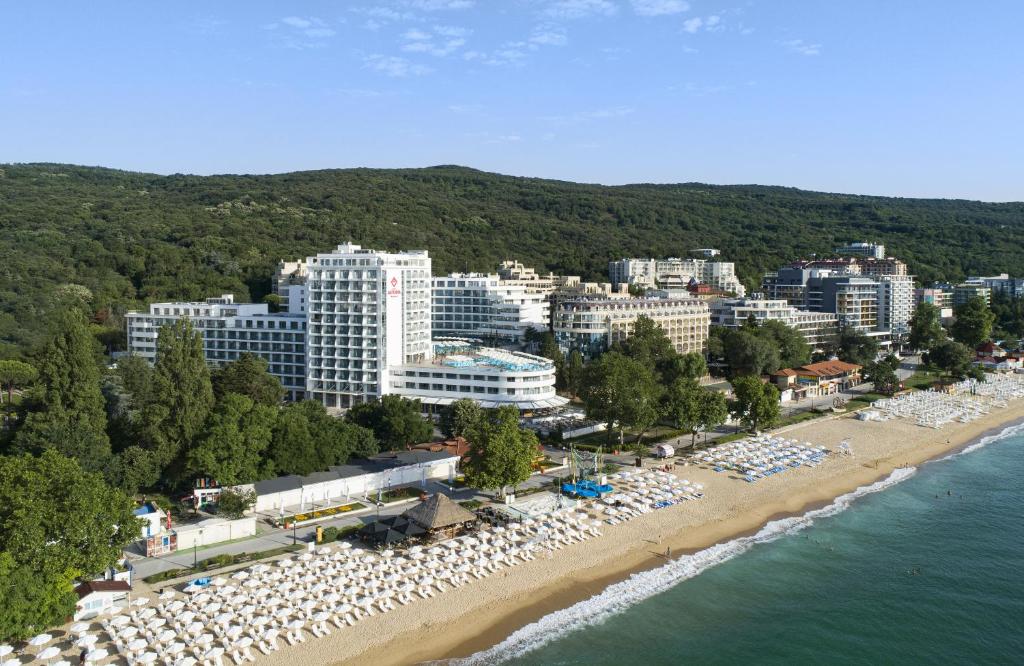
117, 239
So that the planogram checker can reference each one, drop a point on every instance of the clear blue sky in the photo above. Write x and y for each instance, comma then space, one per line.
898, 97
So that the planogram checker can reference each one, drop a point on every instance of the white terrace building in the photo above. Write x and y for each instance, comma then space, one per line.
485, 306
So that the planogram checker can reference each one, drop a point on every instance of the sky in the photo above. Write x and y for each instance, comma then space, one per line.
917, 98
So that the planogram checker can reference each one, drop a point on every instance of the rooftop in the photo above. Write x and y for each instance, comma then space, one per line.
357, 467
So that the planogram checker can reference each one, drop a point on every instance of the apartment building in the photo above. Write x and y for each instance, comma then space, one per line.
819, 329
594, 325
228, 330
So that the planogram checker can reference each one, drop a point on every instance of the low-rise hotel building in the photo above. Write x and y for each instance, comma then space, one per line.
485, 306
228, 330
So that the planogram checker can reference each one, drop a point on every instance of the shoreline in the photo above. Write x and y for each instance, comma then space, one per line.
483, 615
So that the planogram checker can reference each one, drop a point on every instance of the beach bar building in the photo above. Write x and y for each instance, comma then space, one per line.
441, 517
817, 379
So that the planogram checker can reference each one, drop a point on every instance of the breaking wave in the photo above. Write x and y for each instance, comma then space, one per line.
640, 586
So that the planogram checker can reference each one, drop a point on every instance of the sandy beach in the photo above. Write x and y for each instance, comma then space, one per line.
478, 616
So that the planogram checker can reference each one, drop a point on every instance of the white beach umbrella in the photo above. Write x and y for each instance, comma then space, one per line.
213, 652
79, 627
166, 595
129, 632
6, 650
11, 662
120, 620
137, 645
62, 662
41, 639
146, 658
205, 639
175, 648
49, 653
140, 601
156, 623
166, 636
187, 661
96, 655
87, 641
244, 642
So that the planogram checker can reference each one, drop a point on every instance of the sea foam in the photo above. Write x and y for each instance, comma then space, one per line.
1009, 431
640, 586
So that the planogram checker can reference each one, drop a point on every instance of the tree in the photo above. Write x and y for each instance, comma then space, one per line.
69, 413
306, 439
925, 327
59, 523
133, 469
756, 403
714, 411
233, 445
233, 503
15, 374
856, 347
248, 376
952, 357
573, 372
621, 392
501, 453
973, 324
882, 376
792, 346
459, 416
682, 404
395, 421
748, 353
182, 392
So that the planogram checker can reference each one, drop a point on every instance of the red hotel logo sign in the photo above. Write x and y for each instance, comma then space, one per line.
394, 290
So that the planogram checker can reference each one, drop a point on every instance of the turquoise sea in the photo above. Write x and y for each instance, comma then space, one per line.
926, 567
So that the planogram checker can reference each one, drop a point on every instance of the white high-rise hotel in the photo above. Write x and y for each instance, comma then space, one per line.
367, 310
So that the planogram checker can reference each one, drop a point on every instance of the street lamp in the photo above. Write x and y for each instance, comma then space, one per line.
295, 538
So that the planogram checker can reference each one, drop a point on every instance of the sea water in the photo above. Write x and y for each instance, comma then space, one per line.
926, 566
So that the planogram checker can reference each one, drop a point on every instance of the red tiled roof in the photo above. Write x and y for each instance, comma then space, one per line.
88, 588
822, 369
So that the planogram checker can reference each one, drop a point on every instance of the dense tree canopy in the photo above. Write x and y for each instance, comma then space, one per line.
756, 403
500, 452
395, 421
856, 347
458, 417
621, 392
248, 376
925, 327
57, 523
68, 411
973, 323
114, 239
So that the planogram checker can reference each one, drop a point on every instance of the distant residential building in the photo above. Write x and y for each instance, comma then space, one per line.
862, 249
594, 325
819, 329
875, 296
937, 296
675, 272
228, 330
895, 303
962, 293
368, 311
708, 252
485, 306
1001, 284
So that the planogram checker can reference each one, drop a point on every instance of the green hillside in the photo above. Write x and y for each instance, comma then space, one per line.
116, 239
